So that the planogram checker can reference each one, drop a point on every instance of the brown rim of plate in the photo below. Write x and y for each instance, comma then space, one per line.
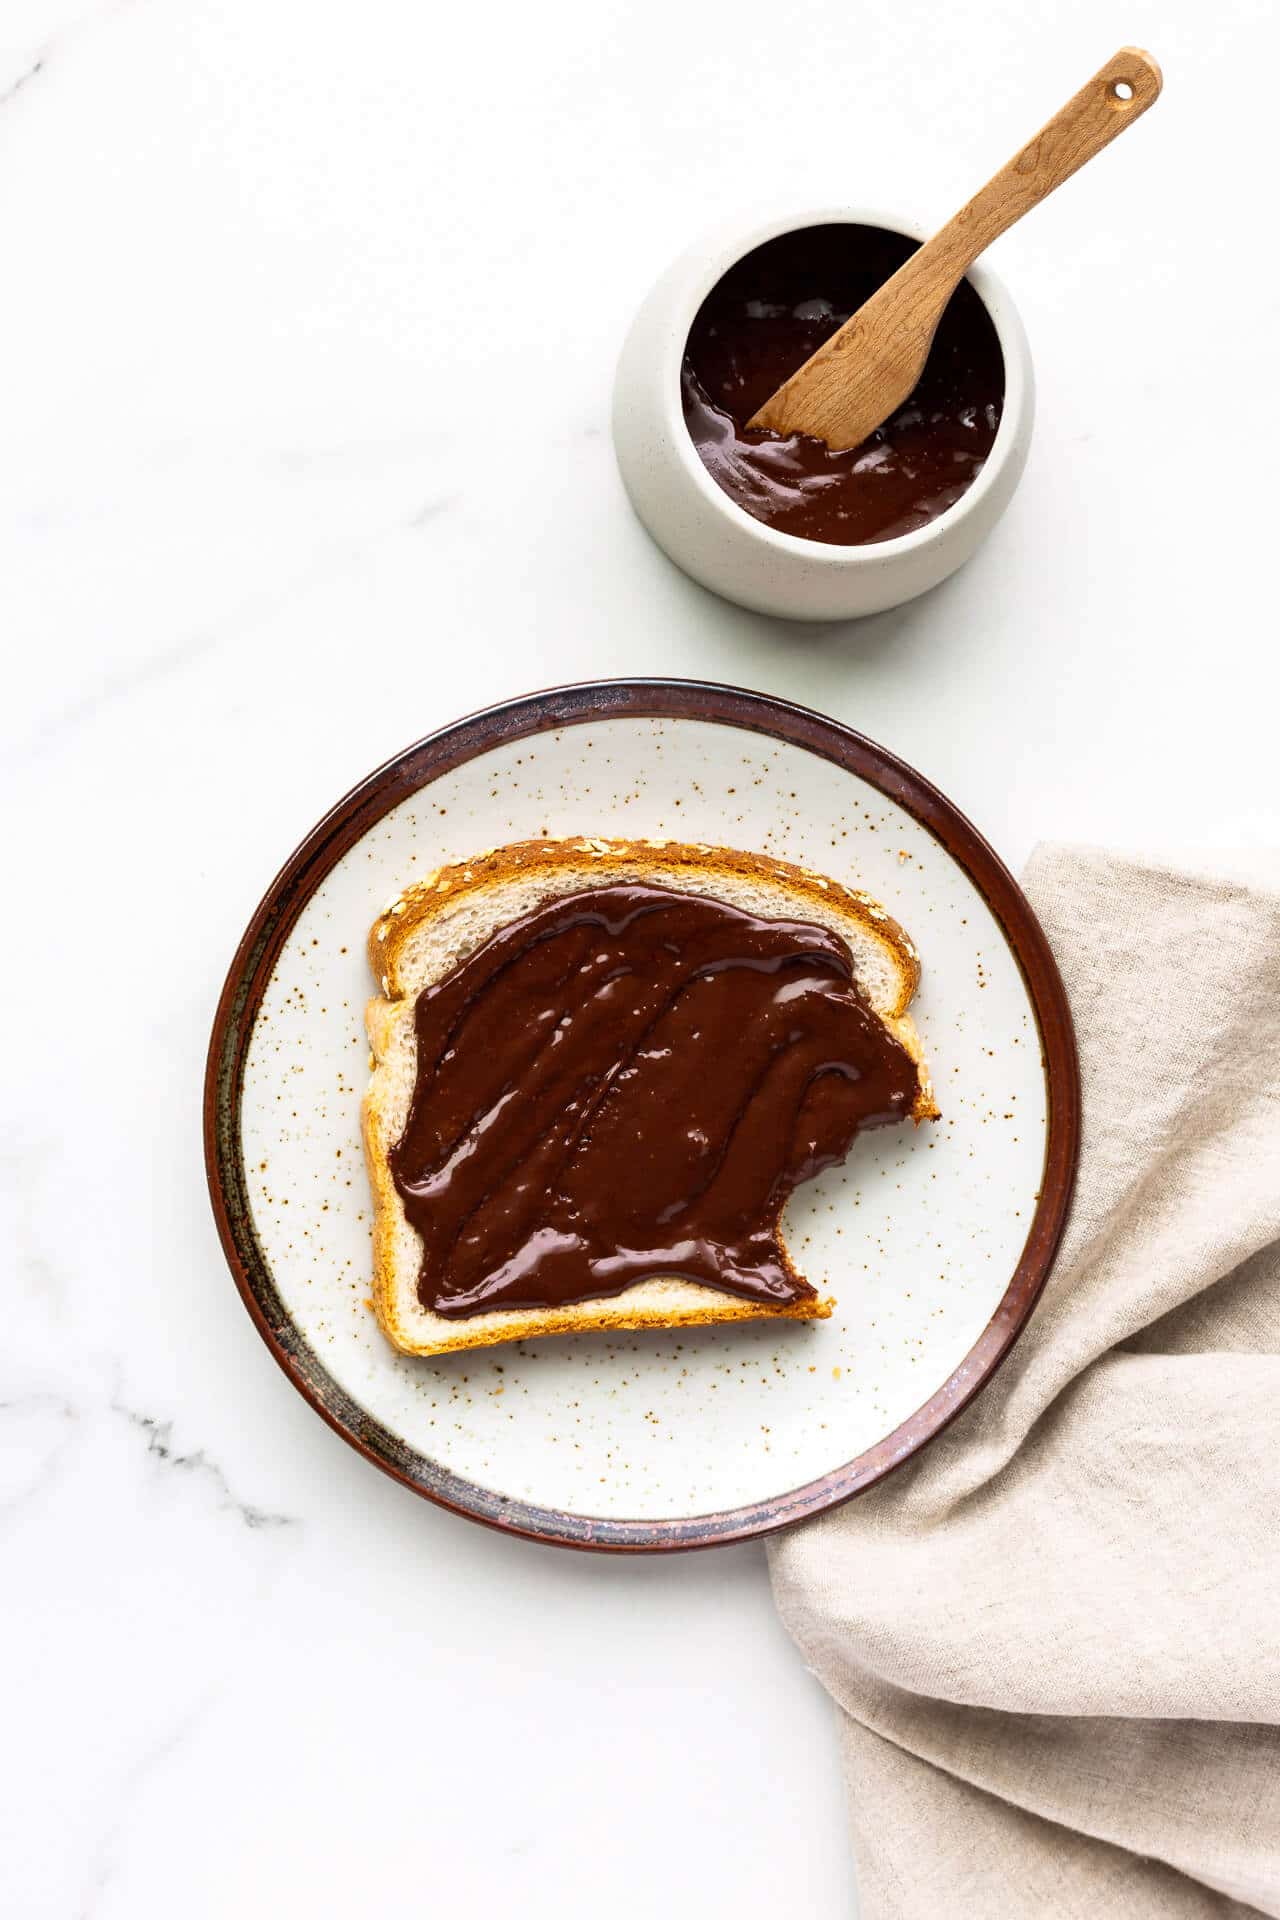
416, 768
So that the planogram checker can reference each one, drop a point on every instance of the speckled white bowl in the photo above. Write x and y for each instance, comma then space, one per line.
934, 1241
714, 539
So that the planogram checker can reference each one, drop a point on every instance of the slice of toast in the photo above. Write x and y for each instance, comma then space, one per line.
437, 922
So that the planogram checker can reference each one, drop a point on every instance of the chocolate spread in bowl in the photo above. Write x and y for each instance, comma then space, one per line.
628, 1083
761, 322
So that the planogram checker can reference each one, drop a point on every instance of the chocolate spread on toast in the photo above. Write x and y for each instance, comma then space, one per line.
625, 1084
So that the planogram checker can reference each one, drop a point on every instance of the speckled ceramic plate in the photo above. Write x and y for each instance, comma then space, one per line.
935, 1242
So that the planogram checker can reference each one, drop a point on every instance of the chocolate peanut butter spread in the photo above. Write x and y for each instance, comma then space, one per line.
627, 1083
761, 322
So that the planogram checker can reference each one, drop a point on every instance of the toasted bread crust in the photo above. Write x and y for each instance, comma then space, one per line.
696, 864
680, 864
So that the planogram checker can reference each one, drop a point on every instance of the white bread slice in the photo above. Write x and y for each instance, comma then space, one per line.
425, 933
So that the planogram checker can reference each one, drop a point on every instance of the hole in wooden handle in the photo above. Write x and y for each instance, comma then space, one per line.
1121, 92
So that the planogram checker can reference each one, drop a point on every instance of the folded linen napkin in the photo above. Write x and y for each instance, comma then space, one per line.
1055, 1637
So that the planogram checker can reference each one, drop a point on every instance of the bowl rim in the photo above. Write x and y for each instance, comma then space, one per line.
708, 261
408, 773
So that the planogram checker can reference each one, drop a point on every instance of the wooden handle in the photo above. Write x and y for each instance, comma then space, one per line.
867, 368
1117, 95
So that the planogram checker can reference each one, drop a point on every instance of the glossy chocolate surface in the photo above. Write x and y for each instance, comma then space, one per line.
761, 322
627, 1083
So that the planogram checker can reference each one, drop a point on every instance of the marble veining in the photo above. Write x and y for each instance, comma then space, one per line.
23, 80
259, 260
103, 1866
34, 1437
160, 1446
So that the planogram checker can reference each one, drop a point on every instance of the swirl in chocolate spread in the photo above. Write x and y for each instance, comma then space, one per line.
628, 1083
761, 322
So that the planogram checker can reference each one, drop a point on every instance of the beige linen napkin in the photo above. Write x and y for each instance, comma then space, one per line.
1055, 1637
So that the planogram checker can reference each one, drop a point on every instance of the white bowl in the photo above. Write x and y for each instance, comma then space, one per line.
716, 541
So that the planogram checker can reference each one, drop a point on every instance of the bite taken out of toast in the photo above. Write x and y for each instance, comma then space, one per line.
445, 938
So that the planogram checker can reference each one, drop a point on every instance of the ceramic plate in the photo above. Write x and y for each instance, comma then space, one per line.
934, 1242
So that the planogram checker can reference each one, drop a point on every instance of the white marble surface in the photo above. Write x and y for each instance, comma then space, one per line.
256, 258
